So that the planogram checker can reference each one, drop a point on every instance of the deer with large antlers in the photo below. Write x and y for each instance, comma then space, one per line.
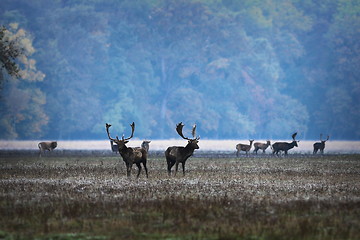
130, 155
320, 145
284, 146
176, 155
243, 147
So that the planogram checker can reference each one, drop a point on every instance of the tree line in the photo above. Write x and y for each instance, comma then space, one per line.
239, 69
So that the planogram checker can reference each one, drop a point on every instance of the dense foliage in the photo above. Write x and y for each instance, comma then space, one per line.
239, 69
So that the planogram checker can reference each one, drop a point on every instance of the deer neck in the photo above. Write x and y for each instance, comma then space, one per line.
188, 150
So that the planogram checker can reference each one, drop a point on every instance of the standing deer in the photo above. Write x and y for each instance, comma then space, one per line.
262, 146
320, 145
284, 146
243, 147
114, 147
146, 145
130, 155
175, 155
46, 146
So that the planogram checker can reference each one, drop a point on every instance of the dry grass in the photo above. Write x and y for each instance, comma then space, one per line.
294, 197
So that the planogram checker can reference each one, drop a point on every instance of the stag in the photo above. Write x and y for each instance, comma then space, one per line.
46, 146
130, 155
262, 146
284, 146
243, 147
320, 145
175, 155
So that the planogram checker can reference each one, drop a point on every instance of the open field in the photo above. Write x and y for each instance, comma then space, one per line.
333, 147
264, 197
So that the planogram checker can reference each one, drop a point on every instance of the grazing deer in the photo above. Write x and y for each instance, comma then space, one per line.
46, 146
243, 147
262, 146
320, 145
284, 146
175, 155
130, 155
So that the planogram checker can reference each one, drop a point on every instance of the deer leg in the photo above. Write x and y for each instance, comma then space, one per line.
183, 167
139, 169
176, 167
146, 171
170, 164
128, 169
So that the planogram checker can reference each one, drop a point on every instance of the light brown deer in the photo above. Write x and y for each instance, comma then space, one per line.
49, 146
320, 145
146, 145
243, 147
175, 155
284, 146
130, 155
262, 146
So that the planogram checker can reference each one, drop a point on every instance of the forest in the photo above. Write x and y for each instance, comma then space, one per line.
239, 69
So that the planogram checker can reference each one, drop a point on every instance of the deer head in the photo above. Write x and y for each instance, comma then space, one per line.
193, 142
120, 142
294, 141
323, 141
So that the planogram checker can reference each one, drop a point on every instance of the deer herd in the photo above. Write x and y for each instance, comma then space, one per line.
179, 154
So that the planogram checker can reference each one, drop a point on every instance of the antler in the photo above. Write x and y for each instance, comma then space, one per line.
179, 128
108, 133
193, 132
293, 136
132, 132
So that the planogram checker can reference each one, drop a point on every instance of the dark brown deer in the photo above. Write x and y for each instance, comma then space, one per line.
175, 155
320, 145
130, 155
262, 146
284, 146
46, 146
243, 147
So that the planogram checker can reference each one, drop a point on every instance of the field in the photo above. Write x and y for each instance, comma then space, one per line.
89, 197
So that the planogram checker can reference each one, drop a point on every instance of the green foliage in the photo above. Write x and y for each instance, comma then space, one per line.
238, 69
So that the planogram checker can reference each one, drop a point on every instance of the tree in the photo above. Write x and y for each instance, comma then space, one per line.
21, 104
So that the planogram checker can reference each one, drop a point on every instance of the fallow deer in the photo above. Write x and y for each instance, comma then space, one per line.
46, 146
284, 146
175, 155
262, 146
243, 147
146, 145
130, 155
114, 147
320, 145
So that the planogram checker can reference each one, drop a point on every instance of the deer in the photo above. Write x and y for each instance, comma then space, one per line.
243, 147
320, 145
128, 154
284, 146
114, 147
50, 146
262, 146
178, 154
146, 145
